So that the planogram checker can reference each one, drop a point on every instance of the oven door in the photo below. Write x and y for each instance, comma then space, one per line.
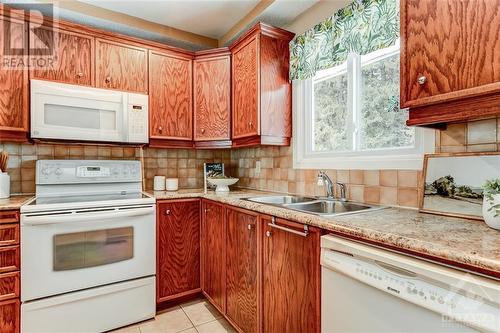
71, 112
72, 250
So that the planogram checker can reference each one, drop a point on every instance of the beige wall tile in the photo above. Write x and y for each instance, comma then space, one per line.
388, 195
389, 177
357, 193
454, 135
372, 194
482, 147
407, 178
371, 177
356, 177
407, 197
482, 131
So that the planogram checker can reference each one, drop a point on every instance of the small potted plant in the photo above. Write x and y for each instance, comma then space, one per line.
491, 203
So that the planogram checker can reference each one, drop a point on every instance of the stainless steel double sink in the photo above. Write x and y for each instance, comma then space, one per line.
316, 206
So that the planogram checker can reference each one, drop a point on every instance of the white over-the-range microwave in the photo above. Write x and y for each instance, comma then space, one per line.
70, 112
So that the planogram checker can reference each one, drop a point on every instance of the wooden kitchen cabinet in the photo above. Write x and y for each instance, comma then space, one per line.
121, 66
291, 277
450, 60
10, 316
73, 61
170, 99
213, 254
14, 92
212, 98
243, 269
261, 89
178, 249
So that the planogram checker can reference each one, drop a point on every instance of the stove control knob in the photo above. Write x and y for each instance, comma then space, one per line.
45, 171
58, 172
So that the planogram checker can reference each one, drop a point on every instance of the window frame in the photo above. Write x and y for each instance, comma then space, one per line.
384, 158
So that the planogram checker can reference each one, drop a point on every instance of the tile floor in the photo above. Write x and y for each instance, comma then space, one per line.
197, 316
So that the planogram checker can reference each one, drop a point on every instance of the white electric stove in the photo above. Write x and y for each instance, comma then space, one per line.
88, 248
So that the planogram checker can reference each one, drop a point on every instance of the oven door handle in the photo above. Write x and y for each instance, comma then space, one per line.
35, 220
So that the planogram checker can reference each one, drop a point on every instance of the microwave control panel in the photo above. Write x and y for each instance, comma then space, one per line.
137, 118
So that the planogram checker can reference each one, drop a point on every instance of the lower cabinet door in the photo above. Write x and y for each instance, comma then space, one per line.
291, 278
242, 301
178, 249
9, 316
213, 257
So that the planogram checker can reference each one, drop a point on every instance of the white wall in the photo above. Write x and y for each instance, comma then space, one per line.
316, 14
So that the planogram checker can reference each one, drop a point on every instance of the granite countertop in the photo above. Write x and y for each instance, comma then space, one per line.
14, 202
461, 242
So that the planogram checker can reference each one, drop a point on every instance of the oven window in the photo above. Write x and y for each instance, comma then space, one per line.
93, 248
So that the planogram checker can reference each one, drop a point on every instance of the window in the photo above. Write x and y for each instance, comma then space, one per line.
348, 117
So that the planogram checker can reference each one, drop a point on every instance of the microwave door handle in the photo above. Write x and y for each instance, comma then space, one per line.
84, 216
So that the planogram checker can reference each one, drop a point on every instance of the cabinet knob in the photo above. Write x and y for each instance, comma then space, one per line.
79, 75
422, 79
107, 79
207, 210
249, 227
160, 129
167, 211
268, 233
250, 124
202, 130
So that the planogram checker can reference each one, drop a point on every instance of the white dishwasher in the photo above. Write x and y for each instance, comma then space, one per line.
368, 289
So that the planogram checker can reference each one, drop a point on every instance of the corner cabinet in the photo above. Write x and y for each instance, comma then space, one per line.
291, 277
14, 93
170, 99
178, 249
212, 98
450, 60
261, 89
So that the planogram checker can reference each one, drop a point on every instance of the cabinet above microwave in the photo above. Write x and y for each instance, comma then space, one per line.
72, 112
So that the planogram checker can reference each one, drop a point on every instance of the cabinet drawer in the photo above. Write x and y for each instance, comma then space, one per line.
9, 258
9, 286
9, 234
9, 316
9, 216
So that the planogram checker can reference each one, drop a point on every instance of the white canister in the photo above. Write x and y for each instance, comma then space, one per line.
172, 184
4, 185
159, 183
491, 215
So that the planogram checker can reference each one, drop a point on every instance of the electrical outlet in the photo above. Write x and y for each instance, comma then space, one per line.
320, 181
257, 168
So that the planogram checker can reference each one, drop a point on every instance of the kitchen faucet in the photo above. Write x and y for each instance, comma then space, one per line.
329, 186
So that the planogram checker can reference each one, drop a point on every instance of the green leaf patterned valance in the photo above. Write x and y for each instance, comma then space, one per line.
362, 27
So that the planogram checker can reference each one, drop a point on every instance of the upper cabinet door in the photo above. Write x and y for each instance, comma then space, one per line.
170, 97
212, 98
14, 108
73, 56
121, 66
246, 89
450, 50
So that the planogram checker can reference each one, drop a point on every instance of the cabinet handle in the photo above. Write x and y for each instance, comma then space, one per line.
268, 233
249, 227
167, 211
421, 80
292, 231
79, 75
107, 79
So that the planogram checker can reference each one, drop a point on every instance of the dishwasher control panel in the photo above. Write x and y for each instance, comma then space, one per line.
452, 303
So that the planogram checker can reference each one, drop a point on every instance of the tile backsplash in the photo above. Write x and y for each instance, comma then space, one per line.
187, 165
389, 187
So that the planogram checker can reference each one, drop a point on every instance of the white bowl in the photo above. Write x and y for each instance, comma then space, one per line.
222, 183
